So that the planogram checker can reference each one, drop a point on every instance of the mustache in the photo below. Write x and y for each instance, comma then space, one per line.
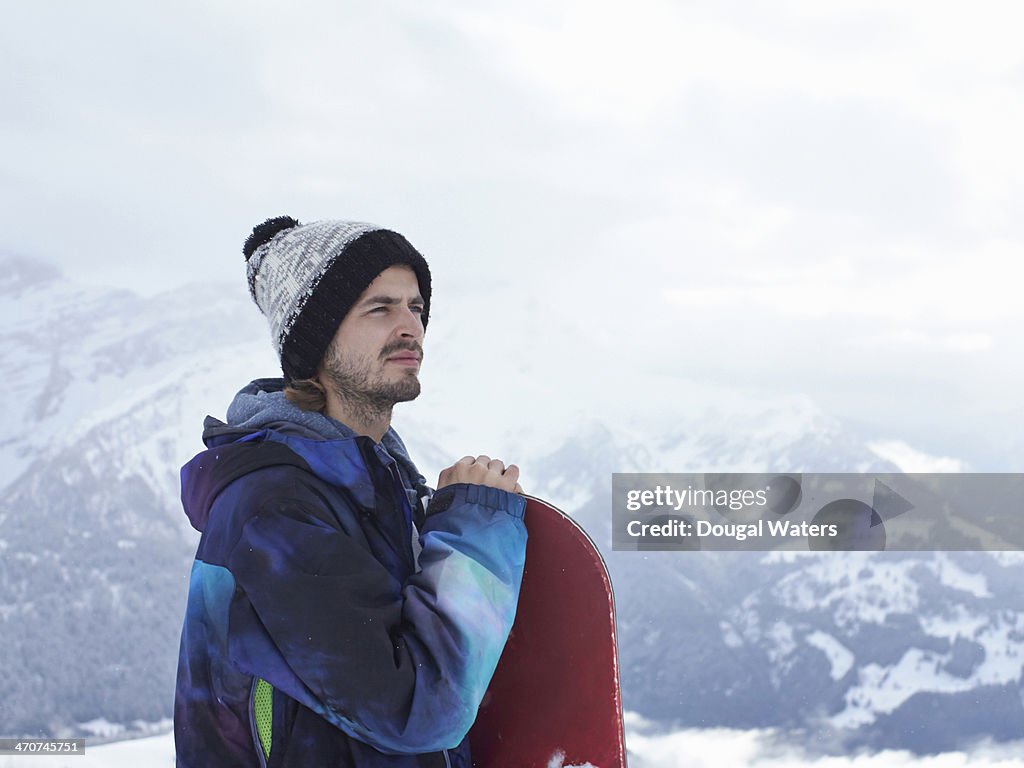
401, 346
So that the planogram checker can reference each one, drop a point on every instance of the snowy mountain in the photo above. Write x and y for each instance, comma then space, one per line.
107, 390
95, 550
892, 650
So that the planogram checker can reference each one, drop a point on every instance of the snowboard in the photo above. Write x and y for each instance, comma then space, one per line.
554, 699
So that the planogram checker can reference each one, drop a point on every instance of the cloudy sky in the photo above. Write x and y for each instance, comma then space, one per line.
809, 198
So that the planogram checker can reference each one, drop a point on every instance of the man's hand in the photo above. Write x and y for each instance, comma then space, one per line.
483, 470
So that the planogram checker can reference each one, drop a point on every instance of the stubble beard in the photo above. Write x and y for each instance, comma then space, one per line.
370, 399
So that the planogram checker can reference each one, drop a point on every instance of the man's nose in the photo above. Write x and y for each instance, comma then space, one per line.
411, 325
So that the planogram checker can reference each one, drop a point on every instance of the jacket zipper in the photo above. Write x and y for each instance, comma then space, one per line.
398, 491
252, 724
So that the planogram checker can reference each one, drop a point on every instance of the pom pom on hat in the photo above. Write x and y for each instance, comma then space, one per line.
262, 233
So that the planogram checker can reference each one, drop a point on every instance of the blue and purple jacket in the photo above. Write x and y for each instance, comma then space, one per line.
306, 577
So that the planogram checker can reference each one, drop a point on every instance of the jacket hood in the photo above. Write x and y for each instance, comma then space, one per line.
261, 415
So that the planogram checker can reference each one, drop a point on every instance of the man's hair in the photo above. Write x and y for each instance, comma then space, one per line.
307, 394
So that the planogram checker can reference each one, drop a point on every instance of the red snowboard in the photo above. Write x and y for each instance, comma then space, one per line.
554, 699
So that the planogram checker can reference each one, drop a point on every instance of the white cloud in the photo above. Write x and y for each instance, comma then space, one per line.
725, 748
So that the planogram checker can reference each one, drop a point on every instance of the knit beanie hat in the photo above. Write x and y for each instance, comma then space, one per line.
306, 277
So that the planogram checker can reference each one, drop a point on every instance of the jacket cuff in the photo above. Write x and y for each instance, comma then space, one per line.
482, 495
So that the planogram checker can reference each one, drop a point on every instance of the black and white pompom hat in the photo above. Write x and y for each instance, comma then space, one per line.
306, 277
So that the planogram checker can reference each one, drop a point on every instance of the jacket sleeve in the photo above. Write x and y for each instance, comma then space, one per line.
402, 667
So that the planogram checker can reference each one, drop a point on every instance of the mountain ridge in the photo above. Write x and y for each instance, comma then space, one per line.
109, 395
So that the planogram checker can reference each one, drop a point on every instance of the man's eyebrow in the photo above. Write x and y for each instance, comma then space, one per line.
388, 300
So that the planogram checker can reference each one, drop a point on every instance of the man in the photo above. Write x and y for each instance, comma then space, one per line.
339, 613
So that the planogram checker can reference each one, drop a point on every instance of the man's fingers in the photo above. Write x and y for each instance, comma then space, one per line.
481, 470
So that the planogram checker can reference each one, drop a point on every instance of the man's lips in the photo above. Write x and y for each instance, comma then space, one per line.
410, 359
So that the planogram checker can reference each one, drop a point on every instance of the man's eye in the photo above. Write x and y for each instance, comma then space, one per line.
417, 309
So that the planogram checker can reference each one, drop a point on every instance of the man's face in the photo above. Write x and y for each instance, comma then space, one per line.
374, 358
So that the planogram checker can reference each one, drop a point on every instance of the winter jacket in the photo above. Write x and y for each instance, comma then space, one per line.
306, 597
